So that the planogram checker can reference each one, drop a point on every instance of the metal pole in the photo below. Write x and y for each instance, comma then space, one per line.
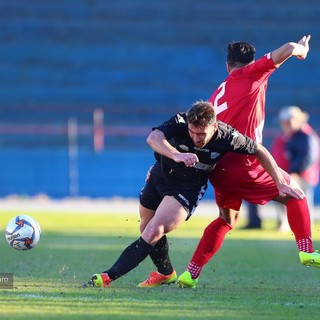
73, 157
98, 130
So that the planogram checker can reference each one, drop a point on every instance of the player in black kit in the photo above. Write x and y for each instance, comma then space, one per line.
187, 147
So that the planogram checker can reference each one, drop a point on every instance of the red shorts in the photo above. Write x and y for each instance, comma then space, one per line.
239, 177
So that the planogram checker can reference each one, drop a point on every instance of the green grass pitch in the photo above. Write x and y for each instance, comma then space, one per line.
256, 274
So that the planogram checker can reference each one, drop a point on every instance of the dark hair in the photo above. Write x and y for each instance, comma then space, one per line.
240, 52
201, 114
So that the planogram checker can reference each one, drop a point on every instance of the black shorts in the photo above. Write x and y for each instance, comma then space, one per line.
157, 187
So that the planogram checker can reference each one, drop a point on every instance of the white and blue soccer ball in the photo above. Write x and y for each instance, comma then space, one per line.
23, 232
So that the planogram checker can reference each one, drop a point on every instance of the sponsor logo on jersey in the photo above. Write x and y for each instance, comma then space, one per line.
214, 155
203, 166
180, 119
184, 147
200, 149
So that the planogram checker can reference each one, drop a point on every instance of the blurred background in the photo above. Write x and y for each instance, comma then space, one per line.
83, 81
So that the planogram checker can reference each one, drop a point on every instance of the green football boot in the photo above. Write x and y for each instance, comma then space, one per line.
311, 259
185, 281
100, 280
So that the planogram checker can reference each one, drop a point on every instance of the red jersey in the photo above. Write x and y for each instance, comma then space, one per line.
240, 102
240, 99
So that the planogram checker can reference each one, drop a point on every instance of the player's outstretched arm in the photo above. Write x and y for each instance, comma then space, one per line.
298, 49
270, 165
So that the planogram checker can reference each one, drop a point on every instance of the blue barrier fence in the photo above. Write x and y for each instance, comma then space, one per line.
106, 174
50, 172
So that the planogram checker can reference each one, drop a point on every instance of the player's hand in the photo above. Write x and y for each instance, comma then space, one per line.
189, 159
304, 42
285, 190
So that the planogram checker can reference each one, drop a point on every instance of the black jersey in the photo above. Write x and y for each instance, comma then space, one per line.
226, 139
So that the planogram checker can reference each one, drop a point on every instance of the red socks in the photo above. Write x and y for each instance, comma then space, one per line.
214, 234
209, 244
300, 223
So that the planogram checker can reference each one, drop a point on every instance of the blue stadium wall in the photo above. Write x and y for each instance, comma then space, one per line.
107, 174
138, 61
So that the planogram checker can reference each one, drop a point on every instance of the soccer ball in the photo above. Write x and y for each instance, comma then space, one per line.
23, 232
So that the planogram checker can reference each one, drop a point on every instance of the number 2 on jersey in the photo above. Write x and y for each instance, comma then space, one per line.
223, 106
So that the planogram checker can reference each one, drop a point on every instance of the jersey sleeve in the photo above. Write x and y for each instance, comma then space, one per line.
242, 144
175, 126
262, 68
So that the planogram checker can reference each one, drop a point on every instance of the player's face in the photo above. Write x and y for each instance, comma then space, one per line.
201, 135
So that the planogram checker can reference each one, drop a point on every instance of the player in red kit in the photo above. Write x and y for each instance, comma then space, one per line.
240, 102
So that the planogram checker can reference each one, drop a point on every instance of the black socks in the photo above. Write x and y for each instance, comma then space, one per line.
135, 253
160, 256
